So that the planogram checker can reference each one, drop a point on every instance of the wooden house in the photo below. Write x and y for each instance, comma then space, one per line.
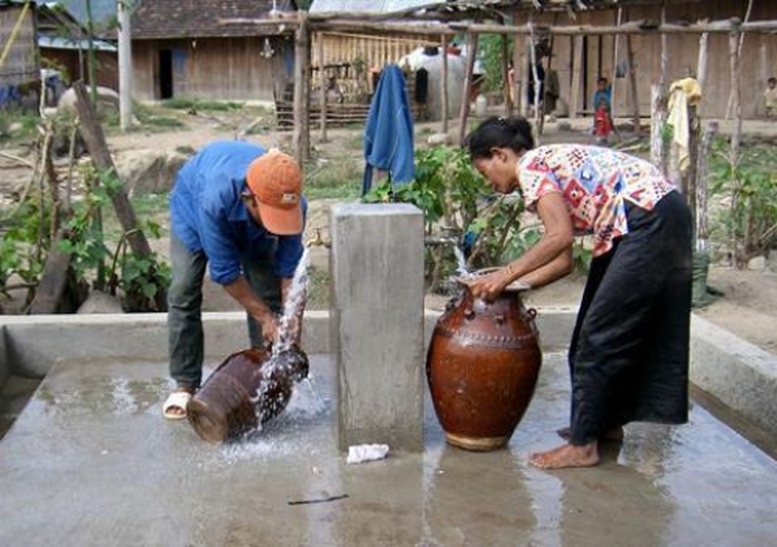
185, 48
19, 63
64, 46
580, 60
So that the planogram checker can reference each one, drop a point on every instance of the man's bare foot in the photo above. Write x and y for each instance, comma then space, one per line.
567, 455
614, 434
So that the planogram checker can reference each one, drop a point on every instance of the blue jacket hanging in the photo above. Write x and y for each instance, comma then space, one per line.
388, 133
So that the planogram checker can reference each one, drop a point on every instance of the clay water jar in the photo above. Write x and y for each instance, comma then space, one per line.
247, 389
482, 366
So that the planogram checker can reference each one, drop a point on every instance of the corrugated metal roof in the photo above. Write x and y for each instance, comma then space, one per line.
369, 6
56, 42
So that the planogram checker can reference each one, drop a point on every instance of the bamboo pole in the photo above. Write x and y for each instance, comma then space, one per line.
301, 136
577, 74
444, 84
323, 82
472, 48
368, 24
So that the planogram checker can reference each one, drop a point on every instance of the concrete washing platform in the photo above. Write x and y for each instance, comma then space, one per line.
90, 461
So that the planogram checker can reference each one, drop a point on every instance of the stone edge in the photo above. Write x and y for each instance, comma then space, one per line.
739, 374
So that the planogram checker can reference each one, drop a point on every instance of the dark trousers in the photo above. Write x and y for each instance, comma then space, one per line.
629, 351
184, 316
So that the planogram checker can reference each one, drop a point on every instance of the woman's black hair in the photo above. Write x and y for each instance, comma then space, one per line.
514, 133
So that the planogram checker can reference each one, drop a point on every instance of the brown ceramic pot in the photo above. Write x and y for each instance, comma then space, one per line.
482, 366
227, 405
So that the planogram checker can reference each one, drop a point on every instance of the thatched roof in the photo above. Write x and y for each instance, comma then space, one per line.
161, 19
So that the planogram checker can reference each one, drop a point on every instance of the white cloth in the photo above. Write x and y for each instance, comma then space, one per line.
366, 453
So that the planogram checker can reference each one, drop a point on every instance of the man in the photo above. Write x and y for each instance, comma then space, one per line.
240, 210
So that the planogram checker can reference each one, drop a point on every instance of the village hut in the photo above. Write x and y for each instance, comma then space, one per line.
184, 49
64, 45
19, 63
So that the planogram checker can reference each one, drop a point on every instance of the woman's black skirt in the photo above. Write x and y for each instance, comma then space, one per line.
629, 351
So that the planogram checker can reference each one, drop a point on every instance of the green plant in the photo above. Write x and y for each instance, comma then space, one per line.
460, 210
490, 51
749, 185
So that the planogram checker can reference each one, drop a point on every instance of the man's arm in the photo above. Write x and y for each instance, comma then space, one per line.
241, 291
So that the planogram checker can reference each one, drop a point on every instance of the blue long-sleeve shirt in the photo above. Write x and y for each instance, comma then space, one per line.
207, 213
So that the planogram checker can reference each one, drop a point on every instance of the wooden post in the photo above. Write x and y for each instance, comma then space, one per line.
322, 80
616, 47
702, 230
472, 49
736, 94
302, 89
658, 122
545, 84
577, 73
701, 69
125, 65
444, 84
664, 52
633, 85
536, 80
506, 76
94, 138
689, 174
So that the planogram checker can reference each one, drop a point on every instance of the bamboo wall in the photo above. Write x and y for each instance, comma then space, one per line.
370, 50
21, 63
758, 62
233, 69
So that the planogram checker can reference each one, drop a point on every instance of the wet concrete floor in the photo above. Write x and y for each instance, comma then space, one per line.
91, 461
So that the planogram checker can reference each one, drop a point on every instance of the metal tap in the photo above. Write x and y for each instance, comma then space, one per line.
317, 241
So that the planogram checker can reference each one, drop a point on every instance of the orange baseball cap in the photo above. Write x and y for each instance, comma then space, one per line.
275, 179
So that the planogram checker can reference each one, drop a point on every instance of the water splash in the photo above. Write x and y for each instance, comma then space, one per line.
295, 299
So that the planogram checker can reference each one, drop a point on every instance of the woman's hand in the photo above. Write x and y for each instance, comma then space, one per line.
489, 286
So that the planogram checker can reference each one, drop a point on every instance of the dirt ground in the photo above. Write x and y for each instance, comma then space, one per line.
748, 306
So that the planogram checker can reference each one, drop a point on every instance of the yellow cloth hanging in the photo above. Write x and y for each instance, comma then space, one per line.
682, 94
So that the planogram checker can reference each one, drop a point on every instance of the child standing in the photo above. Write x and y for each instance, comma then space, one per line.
770, 98
603, 124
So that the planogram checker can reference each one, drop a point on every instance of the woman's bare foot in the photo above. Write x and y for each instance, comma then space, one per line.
567, 455
614, 434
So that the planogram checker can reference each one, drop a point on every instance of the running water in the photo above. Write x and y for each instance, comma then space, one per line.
461, 261
288, 326
286, 357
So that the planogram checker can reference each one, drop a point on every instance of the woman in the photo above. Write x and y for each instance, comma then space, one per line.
629, 351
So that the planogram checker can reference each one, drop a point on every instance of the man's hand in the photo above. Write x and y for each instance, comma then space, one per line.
269, 323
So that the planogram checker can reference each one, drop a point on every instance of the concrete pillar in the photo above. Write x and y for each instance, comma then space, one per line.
377, 268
